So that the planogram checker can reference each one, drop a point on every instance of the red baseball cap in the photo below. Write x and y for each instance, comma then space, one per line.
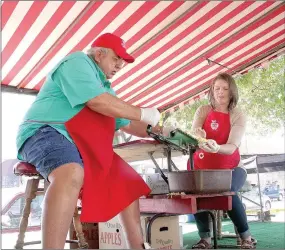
115, 43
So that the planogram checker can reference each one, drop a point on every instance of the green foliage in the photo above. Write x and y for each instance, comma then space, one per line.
183, 118
262, 98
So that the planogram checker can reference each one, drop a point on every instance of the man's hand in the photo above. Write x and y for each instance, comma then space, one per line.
150, 116
210, 146
166, 131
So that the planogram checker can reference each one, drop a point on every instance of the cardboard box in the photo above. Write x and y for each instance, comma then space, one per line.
111, 235
165, 233
90, 231
156, 183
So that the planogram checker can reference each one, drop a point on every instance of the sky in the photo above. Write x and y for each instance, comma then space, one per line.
14, 107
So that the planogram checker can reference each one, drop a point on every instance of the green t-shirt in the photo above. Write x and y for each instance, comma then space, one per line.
75, 80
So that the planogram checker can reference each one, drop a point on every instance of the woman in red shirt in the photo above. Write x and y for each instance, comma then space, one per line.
223, 124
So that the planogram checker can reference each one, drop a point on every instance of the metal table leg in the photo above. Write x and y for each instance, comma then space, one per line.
157, 167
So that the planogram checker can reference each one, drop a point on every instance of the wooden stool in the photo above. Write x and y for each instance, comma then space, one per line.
29, 171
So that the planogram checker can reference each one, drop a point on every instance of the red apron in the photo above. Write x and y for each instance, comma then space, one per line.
217, 126
110, 184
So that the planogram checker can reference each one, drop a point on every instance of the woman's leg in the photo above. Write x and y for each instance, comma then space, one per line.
238, 217
202, 219
203, 225
237, 214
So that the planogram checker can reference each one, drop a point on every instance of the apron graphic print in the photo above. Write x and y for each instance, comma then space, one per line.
214, 125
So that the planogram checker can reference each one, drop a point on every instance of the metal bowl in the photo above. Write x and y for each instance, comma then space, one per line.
200, 181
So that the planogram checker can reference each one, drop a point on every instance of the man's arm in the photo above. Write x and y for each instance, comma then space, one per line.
138, 129
110, 105
91, 93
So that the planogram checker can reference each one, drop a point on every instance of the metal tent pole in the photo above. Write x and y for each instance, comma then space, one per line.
260, 196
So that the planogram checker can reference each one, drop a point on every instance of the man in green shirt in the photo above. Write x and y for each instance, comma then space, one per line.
78, 80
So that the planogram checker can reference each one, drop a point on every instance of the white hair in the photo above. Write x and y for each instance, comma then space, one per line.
92, 50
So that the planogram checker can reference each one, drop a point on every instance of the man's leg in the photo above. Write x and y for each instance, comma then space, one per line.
59, 161
130, 218
59, 204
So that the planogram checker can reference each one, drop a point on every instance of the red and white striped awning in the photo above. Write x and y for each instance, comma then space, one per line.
171, 41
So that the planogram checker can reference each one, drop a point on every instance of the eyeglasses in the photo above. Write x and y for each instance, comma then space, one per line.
119, 62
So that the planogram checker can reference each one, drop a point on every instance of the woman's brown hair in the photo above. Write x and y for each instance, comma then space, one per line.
233, 90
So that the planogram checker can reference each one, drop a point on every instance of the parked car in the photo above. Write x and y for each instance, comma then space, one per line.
274, 191
13, 202
254, 200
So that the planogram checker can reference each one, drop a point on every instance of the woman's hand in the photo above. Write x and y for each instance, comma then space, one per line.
210, 146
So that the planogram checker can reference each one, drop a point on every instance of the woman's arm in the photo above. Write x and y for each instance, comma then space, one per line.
227, 149
236, 133
199, 117
198, 121
238, 128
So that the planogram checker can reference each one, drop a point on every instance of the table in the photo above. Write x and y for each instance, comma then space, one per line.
139, 150
167, 205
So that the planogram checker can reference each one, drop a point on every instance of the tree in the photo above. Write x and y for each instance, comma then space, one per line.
262, 98
183, 118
